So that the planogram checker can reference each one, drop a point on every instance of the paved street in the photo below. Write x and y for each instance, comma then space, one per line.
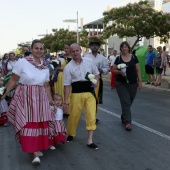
146, 147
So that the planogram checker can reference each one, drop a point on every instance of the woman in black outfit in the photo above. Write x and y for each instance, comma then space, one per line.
127, 82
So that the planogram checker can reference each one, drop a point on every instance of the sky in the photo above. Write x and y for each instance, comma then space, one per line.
22, 21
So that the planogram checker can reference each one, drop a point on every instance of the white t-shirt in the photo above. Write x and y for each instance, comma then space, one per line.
58, 114
29, 74
112, 59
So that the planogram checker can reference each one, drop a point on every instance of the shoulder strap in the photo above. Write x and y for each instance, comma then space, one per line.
119, 59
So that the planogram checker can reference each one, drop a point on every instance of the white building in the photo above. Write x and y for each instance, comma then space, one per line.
114, 41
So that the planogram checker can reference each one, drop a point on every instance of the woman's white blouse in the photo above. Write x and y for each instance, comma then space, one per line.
10, 65
29, 74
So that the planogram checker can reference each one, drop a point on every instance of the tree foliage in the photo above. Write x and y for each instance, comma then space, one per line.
56, 41
22, 45
137, 20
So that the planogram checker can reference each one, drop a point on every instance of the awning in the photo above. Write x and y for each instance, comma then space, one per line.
95, 24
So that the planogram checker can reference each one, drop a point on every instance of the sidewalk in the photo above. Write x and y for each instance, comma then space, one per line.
164, 88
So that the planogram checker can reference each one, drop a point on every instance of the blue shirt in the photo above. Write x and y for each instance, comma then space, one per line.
150, 57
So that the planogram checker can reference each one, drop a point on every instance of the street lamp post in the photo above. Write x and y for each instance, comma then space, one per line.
74, 21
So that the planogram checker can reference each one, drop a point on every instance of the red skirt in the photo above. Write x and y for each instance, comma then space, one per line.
3, 118
29, 113
3, 110
57, 132
34, 137
113, 78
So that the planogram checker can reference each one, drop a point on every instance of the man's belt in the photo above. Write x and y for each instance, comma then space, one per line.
82, 86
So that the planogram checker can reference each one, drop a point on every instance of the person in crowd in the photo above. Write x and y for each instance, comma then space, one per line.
82, 94
166, 59
5, 58
65, 59
4, 61
18, 56
0, 63
8, 70
29, 110
113, 76
57, 127
9, 64
27, 53
3, 111
3, 107
103, 67
25, 49
159, 64
127, 82
104, 54
149, 65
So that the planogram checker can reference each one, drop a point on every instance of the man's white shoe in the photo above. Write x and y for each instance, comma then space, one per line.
40, 153
52, 147
36, 161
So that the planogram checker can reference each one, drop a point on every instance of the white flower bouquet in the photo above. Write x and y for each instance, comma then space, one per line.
91, 77
123, 67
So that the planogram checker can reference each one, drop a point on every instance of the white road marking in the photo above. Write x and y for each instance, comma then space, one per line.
138, 124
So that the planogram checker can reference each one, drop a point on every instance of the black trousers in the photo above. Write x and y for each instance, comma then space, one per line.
126, 93
100, 95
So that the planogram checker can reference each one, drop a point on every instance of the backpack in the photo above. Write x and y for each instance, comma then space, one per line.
158, 60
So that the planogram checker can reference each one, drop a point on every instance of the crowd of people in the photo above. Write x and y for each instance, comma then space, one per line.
156, 61
41, 89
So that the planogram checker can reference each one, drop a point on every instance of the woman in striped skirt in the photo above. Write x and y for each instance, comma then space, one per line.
29, 110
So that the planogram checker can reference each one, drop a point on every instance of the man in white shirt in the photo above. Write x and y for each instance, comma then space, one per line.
102, 65
82, 93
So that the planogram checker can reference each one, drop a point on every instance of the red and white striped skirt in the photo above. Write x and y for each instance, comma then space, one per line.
29, 113
57, 132
3, 110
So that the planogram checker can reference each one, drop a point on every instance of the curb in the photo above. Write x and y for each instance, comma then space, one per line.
150, 88
156, 89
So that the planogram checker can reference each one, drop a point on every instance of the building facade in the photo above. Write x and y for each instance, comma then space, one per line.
114, 41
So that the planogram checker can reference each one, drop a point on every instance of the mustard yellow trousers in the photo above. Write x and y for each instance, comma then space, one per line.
79, 101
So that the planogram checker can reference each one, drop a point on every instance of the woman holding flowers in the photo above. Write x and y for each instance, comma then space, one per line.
128, 78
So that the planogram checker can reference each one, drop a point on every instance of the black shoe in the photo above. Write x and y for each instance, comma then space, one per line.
147, 83
93, 146
97, 121
100, 102
69, 138
66, 115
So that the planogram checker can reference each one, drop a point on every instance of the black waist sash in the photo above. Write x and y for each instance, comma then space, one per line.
82, 86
